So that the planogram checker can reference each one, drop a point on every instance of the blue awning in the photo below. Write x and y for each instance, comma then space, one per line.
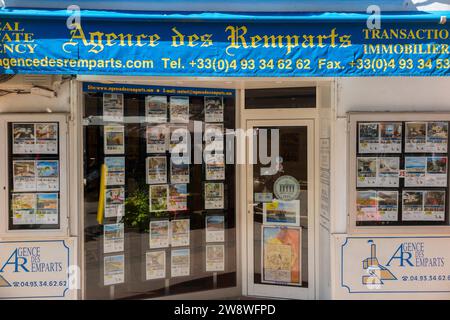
224, 44
283, 17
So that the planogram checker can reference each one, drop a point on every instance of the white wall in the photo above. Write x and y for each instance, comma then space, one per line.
26, 102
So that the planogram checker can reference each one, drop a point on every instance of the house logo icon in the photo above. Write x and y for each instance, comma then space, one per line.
376, 273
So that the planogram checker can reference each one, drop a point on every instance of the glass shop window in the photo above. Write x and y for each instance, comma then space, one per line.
157, 221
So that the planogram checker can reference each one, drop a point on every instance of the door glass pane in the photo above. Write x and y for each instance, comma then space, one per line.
280, 206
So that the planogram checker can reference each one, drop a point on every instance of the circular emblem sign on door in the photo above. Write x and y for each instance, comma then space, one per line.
286, 188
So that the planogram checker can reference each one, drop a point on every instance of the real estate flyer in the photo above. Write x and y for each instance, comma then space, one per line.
179, 140
156, 109
180, 232
215, 257
24, 208
179, 169
114, 202
177, 197
24, 138
423, 205
378, 171
180, 262
215, 166
113, 107
215, 228
214, 137
114, 139
159, 234
179, 109
375, 205
214, 195
155, 265
24, 175
113, 269
47, 175
281, 212
113, 237
213, 109
115, 168
47, 208
46, 138
157, 139
426, 137
426, 171
159, 197
156, 168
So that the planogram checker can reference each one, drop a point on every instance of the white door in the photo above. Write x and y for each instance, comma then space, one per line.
280, 209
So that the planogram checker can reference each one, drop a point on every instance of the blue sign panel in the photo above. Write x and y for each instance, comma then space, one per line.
243, 46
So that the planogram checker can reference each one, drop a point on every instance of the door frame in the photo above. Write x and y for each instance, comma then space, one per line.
282, 292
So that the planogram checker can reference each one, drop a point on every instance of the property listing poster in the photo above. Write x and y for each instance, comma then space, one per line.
281, 212
115, 169
380, 137
47, 208
157, 139
423, 205
179, 140
215, 257
426, 171
215, 228
35, 138
177, 197
114, 139
215, 166
47, 175
426, 137
113, 107
214, 195
24, 138
156, 168
40, 175
114, 202
46, 138
372, 205
24, 175
180, 232
156, 109
155, 265
180, 262
179, 169
114, 269
159, 196
213, 109
159, 234
281, 258
113, 237
378, 171
179, 109
214, 139
24, 208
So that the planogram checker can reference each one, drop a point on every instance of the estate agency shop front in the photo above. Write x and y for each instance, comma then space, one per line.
211, 155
